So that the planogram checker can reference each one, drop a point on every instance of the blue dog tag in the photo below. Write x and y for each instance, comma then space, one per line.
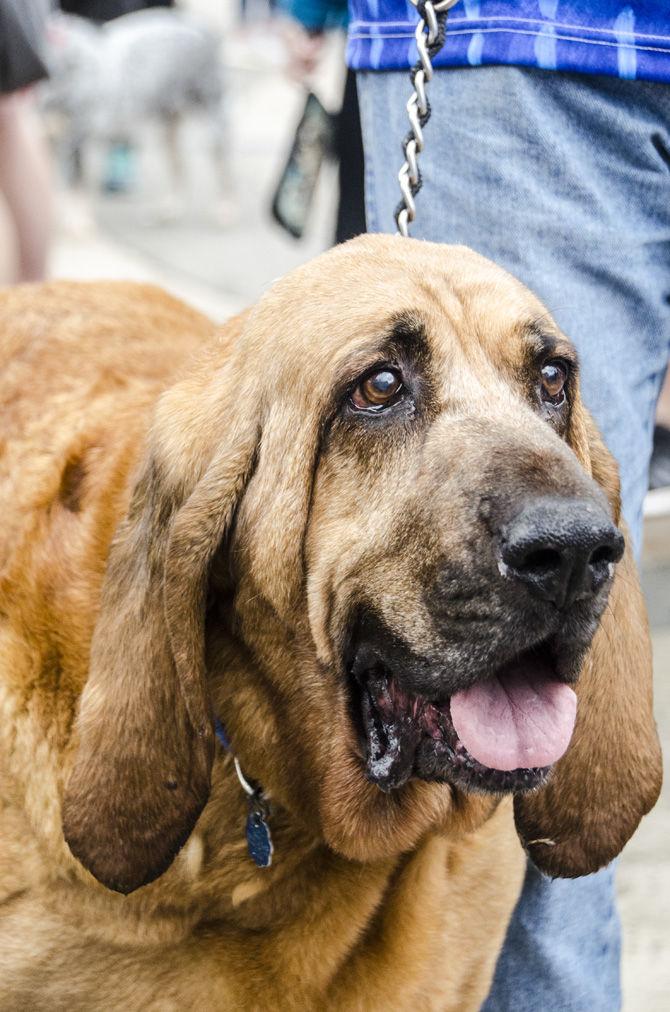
259, 838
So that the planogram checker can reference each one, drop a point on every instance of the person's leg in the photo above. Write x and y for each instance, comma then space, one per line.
349, 150
25, 184
564, 180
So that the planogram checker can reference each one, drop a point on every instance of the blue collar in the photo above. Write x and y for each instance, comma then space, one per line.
220, 732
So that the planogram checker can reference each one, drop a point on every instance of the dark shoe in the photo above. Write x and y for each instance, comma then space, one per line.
659, 468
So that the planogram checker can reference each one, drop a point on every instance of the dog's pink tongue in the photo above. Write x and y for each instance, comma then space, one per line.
520, 719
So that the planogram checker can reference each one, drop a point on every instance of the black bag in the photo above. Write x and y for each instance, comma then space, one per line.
313, 141
22, 36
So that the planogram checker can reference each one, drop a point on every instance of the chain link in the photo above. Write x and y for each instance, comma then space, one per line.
430, 35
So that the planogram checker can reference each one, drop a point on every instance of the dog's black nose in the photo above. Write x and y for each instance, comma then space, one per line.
562, 549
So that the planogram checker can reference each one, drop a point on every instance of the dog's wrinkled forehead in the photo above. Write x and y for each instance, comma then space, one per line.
335, 308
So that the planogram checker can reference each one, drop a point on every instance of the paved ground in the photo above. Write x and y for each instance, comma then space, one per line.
219, 269
644, 872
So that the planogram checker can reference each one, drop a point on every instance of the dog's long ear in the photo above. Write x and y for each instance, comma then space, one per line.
611, 774
141, 774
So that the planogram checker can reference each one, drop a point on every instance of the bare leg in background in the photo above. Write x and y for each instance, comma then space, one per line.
25, 184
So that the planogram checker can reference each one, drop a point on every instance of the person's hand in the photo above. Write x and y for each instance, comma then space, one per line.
303, 49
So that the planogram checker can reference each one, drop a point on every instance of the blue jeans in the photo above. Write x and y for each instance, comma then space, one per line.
564, 180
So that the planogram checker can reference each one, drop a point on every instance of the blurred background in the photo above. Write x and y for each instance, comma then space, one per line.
155, 147
176, 191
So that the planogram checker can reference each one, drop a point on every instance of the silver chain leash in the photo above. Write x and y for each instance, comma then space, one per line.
430, 35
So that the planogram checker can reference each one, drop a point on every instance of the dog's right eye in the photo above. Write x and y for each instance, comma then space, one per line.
554, 376
377, 390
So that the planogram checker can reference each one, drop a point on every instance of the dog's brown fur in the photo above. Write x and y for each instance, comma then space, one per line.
247, 511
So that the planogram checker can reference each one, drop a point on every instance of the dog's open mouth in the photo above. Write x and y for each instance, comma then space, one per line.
501, 734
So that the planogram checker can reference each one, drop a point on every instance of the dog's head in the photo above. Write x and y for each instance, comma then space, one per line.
389, 500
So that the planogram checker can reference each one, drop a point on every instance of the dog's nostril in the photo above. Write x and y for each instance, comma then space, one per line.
540, 560
606, 554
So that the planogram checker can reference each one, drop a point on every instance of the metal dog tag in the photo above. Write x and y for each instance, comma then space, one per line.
259, 837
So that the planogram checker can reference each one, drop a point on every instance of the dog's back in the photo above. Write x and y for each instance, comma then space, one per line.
82, 394
139, 338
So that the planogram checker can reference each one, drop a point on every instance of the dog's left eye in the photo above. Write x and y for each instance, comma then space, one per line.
554, 377
378, 390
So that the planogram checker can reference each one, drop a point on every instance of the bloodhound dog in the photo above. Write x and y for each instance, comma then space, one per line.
361, 546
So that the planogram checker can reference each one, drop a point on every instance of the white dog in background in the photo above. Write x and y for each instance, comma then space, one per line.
154, 66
